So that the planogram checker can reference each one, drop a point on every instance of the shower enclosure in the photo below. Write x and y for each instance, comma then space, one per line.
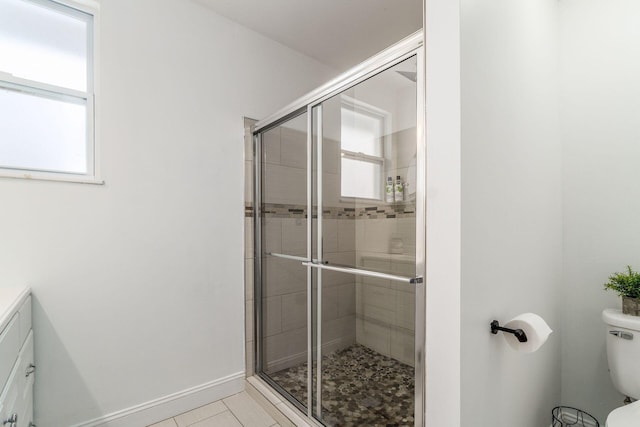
339, 245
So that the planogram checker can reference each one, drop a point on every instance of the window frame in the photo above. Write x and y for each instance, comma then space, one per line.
384, 117
58, 93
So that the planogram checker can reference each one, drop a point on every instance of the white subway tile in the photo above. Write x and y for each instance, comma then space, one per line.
403, 268
285, 350
376, 337
294, 236
272, 235
285, 185
403, 346
377, 314
330, 235
378, 296
249, 323
346, 299
329, 302
376, 236
346, 235
272, 315
376, 264
283, 276
293, 148
330, 278
341, 330
248, 237
248, 278
294, 313
248, 181
248, 140
249, 358
405, 310
271, 146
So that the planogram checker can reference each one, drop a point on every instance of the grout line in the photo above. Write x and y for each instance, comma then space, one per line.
236, 417
227, 409
213, 416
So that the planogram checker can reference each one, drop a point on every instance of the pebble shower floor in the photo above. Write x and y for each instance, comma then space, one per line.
360, 388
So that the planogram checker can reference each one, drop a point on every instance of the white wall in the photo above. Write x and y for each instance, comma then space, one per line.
600, 101
511, 207
138, 289
441, 94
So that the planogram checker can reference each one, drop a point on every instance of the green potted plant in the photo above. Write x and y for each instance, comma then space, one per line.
627, 285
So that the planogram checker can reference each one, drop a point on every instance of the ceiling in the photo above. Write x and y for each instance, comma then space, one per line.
338, 33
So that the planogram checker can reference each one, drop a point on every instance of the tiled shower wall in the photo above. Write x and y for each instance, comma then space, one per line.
248, 248
386, 309
285, 228
285, 231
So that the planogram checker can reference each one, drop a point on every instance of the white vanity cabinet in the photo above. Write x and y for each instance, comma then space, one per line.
17, 367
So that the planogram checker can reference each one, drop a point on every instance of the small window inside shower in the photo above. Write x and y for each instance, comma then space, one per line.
363, 128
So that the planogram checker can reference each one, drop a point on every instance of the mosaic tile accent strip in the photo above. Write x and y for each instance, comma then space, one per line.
360, 388
399, 210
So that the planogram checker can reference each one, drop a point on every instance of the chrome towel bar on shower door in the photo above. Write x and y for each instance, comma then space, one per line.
368, 273
292, 257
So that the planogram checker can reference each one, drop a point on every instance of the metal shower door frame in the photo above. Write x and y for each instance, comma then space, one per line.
411, 46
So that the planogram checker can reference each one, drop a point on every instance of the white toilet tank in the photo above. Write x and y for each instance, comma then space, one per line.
623, 351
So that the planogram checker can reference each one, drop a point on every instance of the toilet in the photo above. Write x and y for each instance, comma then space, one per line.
623, 354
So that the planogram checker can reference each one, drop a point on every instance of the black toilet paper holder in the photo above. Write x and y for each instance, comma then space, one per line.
519, 333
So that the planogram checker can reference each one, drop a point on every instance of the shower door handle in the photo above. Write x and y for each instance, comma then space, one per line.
368, 273
297, 258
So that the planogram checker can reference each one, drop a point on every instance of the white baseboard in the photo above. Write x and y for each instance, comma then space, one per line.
168, 406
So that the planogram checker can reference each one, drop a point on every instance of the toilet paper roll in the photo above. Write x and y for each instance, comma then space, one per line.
534, 327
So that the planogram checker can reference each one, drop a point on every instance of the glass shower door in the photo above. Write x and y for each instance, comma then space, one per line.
365, 288
339, 298
283, 297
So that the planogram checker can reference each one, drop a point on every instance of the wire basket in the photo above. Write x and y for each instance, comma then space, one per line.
566, 416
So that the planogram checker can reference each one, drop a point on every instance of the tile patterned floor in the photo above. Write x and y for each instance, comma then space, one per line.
360, 388
239, 410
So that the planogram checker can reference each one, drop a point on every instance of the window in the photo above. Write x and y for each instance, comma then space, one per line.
363, 128
46, 91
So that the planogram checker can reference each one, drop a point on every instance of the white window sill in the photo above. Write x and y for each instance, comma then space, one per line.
362, 200
50, 176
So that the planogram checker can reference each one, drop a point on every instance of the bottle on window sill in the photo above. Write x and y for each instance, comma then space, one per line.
399, 190
389, 191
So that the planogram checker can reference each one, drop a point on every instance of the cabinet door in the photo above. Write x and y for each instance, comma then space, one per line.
10, 399
25, 319
26, 370
25, 419
9, 346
